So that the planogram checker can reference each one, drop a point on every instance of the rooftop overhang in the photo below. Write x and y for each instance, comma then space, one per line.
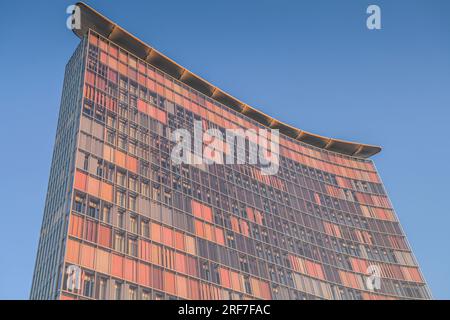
91, 19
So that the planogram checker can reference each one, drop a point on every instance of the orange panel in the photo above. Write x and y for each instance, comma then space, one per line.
250, 214
180, 262
141, 79
182, 289
265, 290
76, 226
90, 78
112, 63
87, 256
108, 153
258, 217
207, 213
190, 245
161, 116
106, 192
196, 208
66, 297
235, 224
179, 240
93, 187
102, 261
208, 231
156, 254
167, 236
132, 164
117, 266
120, 159
255, 287
123, 69
130, 270
169, 282
72, 251
244, 228
219, 236
235, 283
103, 57
104, 236
93, 39
142, 106
199, 229
80, 181
224, 278
144, 275
156, 232
151, 85
145, 252
194, 289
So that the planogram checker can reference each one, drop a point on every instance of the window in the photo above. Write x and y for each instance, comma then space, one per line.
86, 162
231, 240
120, 219
145, 228
117, 290
93, 209
132, 293
215, 274
243, 263
121, 198
132, 247
133, 224
132, 183
205, 271
159, 296
106, 214
88, 287
79, 204
122, 143
119, 244
102, 289
110, 137
145, 189
100, 168
145, 295
248, 288
132, 202
121, 178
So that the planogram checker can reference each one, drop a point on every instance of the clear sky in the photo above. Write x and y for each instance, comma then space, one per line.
312, 64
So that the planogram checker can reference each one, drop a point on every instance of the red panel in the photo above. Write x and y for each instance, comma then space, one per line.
117, 266
76, 226
104, 236
132, 164
144, 276
130, 270
72, 251
87, 256
80, 181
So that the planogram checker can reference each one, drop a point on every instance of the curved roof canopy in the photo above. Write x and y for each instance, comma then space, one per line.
91, 19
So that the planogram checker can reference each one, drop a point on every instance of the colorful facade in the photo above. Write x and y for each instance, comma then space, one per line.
122, 221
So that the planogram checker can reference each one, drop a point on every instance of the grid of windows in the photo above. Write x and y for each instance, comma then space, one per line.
142, 227
46, 278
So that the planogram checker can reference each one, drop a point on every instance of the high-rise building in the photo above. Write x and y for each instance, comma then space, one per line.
122, 220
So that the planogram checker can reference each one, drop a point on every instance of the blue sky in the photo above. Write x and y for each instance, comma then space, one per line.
312, 64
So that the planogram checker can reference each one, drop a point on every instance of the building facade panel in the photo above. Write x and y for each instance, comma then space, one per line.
46, 279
